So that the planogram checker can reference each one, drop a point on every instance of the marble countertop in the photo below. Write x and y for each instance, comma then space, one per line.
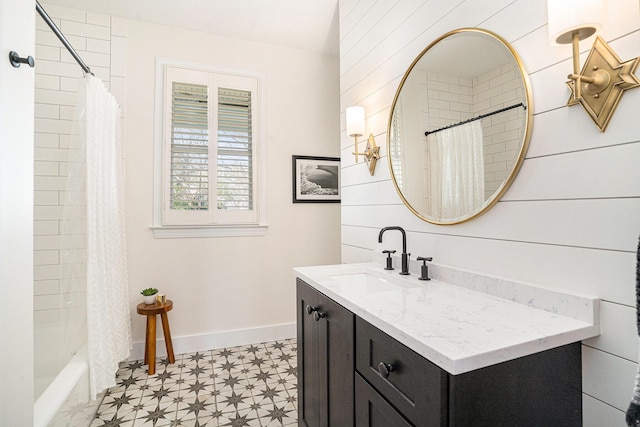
458, 327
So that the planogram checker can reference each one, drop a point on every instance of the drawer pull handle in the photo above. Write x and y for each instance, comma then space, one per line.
318, 315
385, 368
310, 309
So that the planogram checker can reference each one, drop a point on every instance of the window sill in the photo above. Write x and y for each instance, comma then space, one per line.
182, 231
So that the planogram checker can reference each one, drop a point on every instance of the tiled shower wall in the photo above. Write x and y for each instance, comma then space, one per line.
453, 99
100, 42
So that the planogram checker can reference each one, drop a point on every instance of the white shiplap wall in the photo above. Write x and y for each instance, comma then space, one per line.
571, 219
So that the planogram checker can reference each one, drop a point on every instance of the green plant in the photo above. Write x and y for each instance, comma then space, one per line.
149, 291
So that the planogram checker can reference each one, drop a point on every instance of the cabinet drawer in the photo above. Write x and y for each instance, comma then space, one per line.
416, 387
373, 410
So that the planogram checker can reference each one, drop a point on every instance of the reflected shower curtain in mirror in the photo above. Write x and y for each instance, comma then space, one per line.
455, 171
94, 213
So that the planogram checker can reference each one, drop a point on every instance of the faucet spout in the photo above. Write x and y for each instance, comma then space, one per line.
405, 255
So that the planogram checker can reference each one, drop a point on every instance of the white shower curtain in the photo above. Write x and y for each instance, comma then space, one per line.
455, 175
108, 315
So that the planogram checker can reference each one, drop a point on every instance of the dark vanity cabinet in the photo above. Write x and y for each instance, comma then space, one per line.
325, 360
395, 385
390, 385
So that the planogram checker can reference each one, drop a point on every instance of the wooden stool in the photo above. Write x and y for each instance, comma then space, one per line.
150, 310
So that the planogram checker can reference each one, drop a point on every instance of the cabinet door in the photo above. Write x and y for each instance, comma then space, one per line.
325, 360
336, 364
309, 409
372, 410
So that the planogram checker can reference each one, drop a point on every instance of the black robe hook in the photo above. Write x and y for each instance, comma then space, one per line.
16, 60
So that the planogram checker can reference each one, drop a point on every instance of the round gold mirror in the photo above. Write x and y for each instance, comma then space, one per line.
459, 126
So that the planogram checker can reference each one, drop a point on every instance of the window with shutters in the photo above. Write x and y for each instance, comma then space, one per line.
210, 153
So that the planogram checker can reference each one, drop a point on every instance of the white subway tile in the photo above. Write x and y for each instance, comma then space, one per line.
47, 213
41, 25
57, 97
92, 59
47, 38
46, 111
50, 154
495, 167
50, 53
46, 242
45, 302
99, 46
45, 169
50, 182
46, 287
53, 126
46, 228
45, 198
46, 257
67, 113
85, 30
46, 140
45, 81
58, 68
71, 85
46, 272
494, 148
45, 318
63, 168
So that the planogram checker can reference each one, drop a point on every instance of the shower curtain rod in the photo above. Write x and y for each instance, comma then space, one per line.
62, 38
481, 116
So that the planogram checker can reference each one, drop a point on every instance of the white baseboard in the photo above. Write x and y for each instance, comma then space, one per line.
203, 342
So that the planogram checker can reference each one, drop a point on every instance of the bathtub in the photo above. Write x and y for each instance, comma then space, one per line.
65, 402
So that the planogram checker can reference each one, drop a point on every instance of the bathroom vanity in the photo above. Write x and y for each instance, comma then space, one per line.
377, 349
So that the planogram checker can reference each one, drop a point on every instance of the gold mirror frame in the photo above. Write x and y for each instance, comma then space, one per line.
497, 195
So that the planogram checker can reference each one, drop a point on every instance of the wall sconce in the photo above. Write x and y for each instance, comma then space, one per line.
604, 78
355, 128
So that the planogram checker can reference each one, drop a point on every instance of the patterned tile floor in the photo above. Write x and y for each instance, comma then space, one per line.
253, 385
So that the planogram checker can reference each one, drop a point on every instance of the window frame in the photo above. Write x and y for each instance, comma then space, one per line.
169, 223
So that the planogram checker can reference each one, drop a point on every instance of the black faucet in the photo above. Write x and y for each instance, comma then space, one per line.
405, 255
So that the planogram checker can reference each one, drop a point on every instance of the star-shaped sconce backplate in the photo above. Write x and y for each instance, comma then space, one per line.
371, 154
612, 76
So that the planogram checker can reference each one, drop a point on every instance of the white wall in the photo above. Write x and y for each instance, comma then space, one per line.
17, 32
571, 218
243, 283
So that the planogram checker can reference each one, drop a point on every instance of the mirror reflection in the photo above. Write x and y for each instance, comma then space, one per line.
459, 126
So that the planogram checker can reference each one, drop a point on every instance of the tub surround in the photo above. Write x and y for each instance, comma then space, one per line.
460, 321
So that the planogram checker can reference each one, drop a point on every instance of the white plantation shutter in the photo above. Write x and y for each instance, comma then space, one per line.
235, 154
189, 147
209, 165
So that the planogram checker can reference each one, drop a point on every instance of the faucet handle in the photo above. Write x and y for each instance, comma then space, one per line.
389, 260
424, 269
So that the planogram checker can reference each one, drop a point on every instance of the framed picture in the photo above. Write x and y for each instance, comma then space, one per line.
316, 179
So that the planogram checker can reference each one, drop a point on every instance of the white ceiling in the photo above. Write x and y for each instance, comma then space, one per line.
300, 24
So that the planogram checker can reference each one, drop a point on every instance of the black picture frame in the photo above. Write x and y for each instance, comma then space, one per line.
315, 179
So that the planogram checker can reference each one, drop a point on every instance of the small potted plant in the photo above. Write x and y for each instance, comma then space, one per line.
149, 295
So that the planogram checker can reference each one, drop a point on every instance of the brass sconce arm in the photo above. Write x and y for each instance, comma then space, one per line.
355, 127
602, 81
604, 77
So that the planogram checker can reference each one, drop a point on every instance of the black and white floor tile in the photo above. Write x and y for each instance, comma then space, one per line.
253, 385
